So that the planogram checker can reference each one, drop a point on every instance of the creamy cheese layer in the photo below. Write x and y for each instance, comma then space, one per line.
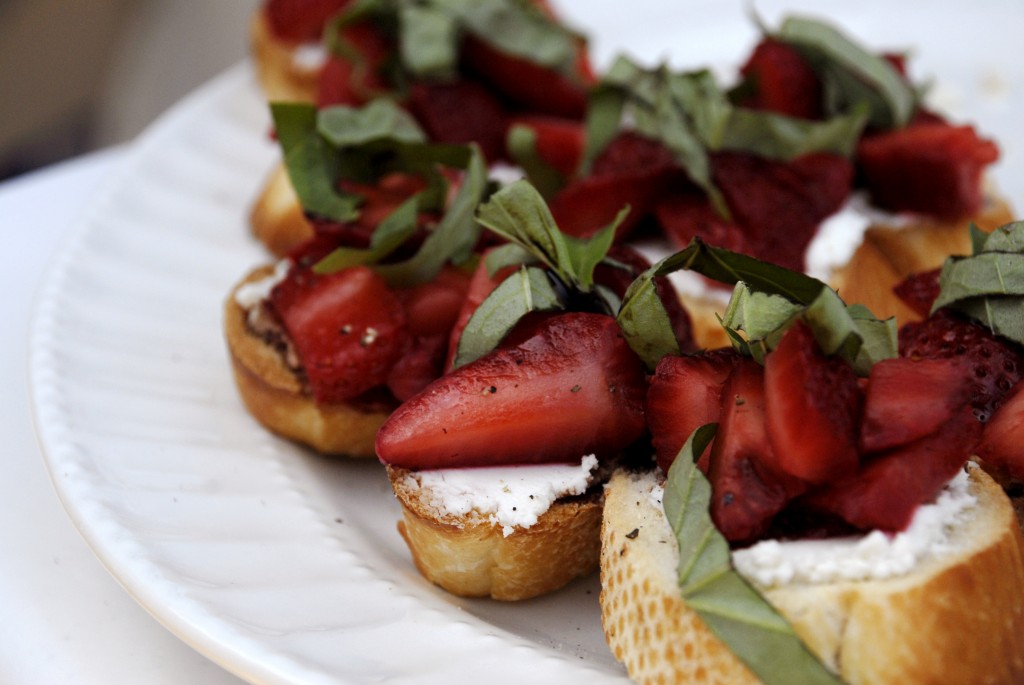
873, 556
249, 295
508, 496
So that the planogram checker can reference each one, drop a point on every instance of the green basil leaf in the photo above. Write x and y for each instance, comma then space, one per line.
525, 291
517, 29
880, 339
454, 237
730, 268
389, 235
522, 148
519, 214
1006, 238
604, 116
1002, 315
851, 74
380, 120
763, 317
775, 136
311, 163
732, 608
645, 323
428, 42
507, 255
985, 274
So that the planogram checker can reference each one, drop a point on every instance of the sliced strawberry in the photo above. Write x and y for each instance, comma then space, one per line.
887, 490
746, 492
929, 168
632, 171
300, 20
908, 399
419, 365
779, 79
781, 204
461, 112
684, 216
813, 407
684, 394
559, 143
355, 79
527, 85
919, 291
996, 365
347, 328
1002, 441
574, 388
432, 308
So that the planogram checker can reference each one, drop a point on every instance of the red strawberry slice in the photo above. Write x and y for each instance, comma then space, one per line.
687, 215
1002, 441
919, 291
559, 143
684, 394
779, 79
347, 328
300, 20
353, 80
574, 388
527, 85
929, 168
461, 112
633, 171
418, 366
812, 411
781, 204
887, 490
908, 399
746, 492
996, 365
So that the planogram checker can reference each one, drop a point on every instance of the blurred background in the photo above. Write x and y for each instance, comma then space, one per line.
77, 75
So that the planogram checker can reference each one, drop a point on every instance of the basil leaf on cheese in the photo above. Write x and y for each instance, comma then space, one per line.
731, 607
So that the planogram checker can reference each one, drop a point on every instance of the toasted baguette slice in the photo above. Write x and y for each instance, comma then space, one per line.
277, 398
282, 76
276, 218
470, 556
884, 258
956, 619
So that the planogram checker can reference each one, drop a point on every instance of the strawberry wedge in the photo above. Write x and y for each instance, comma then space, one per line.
571, 389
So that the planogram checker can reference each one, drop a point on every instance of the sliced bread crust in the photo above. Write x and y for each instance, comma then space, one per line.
280, 75
957, 619
275, 396
470, 556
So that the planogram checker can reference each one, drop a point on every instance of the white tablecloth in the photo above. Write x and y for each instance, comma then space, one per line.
64, 618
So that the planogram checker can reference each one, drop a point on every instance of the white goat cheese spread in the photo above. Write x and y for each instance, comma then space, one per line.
508, 496
872, 556
248, 295
309, 56
840, 235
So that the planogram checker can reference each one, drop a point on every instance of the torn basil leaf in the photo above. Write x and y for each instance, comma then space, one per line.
850, 74
389, 235
645, 322
731, 607
519, 214
454, 237
428, 42
379, 120
525, 291
989, 285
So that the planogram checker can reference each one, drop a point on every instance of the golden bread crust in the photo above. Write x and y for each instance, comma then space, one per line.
470, 557
276, 218
276, 398
957, 619
281, 77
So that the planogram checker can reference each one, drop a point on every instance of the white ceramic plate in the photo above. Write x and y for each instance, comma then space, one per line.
279, 565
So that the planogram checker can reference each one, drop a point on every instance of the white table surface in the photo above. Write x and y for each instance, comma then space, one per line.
65, 619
